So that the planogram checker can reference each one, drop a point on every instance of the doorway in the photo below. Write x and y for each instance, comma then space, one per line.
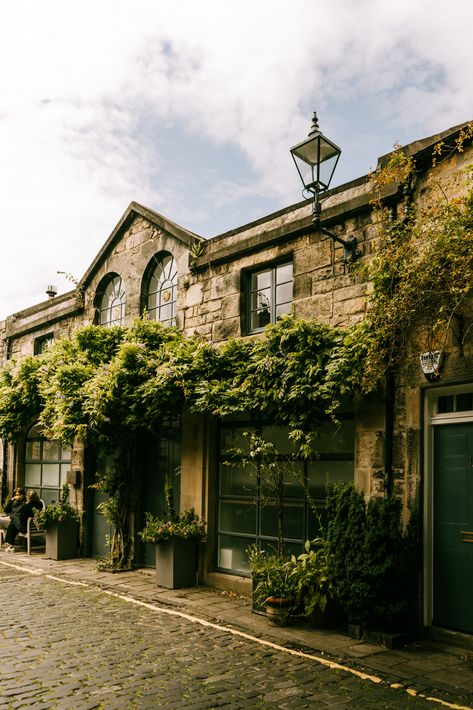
453, 526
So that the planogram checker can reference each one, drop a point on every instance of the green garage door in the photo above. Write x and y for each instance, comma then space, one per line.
453, 527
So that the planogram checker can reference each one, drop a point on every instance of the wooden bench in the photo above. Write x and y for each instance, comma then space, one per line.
32, 532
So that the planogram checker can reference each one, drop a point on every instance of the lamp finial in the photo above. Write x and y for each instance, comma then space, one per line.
315, 125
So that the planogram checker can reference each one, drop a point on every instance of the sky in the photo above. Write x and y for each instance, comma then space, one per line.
190, 108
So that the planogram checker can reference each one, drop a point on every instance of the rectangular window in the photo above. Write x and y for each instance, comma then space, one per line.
269, 295
42, 343
447, 404
246, 511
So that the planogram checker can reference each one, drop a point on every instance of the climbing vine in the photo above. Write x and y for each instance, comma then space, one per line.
105, 385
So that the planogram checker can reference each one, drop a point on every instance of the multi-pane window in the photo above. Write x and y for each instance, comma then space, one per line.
162, 291
47, 462
247, 512
270, 295
112, 303
461, 402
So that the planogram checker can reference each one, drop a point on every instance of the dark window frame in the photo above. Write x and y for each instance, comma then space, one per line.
259, 537
47, 492
251, 291
119, 301
42, 341
150, 271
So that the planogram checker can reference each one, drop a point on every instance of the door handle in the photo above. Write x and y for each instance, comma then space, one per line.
466, 536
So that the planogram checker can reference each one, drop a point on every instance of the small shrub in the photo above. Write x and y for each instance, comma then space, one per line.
372, 563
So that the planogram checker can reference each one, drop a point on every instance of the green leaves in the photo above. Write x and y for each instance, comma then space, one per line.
104, 381
20, 398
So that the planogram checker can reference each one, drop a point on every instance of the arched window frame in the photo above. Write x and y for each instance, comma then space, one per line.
110, 301
159, 289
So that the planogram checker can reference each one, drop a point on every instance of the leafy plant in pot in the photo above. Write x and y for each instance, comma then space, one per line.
60, 523
312, 584
274, 585
176, 542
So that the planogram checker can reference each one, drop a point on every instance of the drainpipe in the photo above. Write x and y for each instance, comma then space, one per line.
389, 433
4, 473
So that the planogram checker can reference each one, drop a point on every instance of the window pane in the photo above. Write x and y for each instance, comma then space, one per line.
336, 439
259, 319
321, 473
33, 450
162, 292
116, 313
261, 300
445, 404
261, 280
464, 402
317, 522
293, 521
51, 474
49, 495
238, 516
65, 454
294, 479
33, 474
279, 437
112, 303
64, 469
284, 273
232, 553
233, 439
237, 480
165, 313
282, 310
284, 293
50, 450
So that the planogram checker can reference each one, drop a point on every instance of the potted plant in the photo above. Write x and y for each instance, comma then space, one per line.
274, 586
309, 571
60, 523
176, 542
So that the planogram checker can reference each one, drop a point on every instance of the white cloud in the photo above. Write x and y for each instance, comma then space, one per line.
89, 92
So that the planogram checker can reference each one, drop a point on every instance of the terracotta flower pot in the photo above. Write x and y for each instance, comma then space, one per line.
277, 610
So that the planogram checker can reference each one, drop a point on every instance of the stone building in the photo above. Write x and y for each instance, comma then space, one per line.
233, 285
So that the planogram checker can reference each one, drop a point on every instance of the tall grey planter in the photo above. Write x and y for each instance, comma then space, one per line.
176, 563
61, 540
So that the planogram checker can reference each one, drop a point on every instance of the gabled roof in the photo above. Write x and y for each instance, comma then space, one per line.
136, 210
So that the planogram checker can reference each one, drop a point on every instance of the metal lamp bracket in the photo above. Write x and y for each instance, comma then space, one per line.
351, 253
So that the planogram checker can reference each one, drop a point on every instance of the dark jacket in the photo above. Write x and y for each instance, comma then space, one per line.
26, 511
13, 506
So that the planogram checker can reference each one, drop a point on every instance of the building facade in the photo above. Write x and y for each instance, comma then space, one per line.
233, 285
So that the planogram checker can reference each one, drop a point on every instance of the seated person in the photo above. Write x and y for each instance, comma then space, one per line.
12, 507
19, 521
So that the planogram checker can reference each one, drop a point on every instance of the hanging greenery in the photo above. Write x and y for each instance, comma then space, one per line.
20, 400
105, 385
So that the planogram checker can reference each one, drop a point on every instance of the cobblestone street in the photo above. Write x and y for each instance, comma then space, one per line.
66, 645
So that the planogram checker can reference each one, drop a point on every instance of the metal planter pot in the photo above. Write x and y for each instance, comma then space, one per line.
176, 563
61, 540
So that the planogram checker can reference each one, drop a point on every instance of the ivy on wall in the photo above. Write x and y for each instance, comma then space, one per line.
104, 384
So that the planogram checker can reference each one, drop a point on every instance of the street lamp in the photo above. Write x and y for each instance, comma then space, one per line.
316, 159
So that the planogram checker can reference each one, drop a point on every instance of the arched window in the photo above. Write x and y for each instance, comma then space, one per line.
111, 302
161, 289
47, 462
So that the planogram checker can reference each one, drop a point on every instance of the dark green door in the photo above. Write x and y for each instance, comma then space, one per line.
453, 527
